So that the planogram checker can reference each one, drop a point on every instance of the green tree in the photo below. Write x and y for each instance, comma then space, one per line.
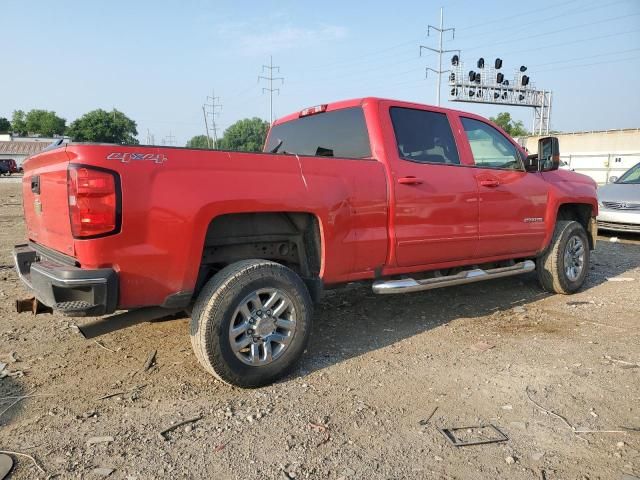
200, 141
247, 135
5, 125
512, 127
18, 122
106, 127
45, 123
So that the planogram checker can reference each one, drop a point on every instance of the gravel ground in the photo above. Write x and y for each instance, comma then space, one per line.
381, 375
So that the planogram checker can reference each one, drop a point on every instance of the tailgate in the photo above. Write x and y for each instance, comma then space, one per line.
46, 205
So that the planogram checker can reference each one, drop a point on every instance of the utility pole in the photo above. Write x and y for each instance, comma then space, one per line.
270, 79
213, 112
439, 51
150, 138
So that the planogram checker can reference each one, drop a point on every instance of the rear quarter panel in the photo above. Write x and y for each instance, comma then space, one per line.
168, 204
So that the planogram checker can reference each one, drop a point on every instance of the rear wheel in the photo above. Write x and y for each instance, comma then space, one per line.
251, 323
563, 267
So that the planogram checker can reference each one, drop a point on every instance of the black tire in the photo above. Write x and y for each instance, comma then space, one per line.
550, 265
212, 319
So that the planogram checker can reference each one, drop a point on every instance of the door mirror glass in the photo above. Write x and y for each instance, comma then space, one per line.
548, 154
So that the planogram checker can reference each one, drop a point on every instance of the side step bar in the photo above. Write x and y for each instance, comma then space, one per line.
408, 285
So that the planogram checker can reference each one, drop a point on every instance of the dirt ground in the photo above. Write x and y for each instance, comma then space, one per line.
382, 374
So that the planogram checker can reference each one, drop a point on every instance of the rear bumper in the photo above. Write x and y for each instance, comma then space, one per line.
67, 288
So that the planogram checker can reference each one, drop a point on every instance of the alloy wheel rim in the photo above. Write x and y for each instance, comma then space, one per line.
574, 253
262, 326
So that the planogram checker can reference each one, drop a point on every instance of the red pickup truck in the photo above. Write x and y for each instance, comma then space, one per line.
409, 196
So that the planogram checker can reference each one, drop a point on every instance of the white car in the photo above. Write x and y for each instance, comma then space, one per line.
619, 202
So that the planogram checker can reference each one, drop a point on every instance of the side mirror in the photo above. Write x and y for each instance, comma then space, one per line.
548, 154
613, 179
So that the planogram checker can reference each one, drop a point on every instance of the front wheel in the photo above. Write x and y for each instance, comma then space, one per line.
563, 267
251, 323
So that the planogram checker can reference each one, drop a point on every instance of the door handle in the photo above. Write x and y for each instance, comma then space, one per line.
490, 182
409, 181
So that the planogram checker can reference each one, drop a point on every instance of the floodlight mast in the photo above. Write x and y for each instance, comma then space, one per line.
489, 86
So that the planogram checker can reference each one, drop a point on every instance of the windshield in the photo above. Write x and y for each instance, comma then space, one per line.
631, 176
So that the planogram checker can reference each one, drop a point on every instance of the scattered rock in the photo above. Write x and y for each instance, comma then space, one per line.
537, 456
510, 460
620, 444
94, 440
102, 471
481, 346
519, 309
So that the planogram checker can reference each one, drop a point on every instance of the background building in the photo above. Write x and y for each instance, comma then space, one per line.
19, 148
600, 154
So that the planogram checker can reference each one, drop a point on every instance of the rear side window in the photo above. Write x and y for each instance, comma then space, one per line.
340, 133
490, 148
424, 137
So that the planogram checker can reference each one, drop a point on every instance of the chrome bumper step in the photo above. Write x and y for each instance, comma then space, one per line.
408, 285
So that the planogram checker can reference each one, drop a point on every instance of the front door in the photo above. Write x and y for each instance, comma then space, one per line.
435, 214
512, 202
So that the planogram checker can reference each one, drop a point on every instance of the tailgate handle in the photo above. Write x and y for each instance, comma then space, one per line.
35, 184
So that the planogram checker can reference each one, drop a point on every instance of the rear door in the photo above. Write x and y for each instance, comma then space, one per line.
46, 203
435, 213
512, 202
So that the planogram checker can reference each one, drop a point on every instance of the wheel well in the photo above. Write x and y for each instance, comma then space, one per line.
579, 212
289, 238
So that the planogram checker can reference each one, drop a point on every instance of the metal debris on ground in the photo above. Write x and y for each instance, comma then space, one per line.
16, 401
177, 425
134, 389
478, 435
150, 360
6, 464
426, 420
9, 452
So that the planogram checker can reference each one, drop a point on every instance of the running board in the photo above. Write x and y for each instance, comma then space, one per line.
408, 285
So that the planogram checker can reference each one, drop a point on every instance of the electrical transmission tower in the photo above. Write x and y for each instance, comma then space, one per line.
270, 79
169, 140
439, 51
151, 140
212, 109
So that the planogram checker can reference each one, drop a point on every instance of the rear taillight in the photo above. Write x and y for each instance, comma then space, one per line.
94, 201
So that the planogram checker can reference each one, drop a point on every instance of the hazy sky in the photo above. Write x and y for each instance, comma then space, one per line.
158, 60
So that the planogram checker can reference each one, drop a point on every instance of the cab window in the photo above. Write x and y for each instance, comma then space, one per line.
490, 148
424, 137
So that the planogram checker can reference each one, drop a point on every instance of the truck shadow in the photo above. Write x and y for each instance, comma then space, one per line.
351, 321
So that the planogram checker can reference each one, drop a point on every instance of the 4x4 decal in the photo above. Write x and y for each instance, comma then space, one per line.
126, 157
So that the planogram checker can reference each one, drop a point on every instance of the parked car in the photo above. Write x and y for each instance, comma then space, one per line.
620, 202
411, 197
8, 166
